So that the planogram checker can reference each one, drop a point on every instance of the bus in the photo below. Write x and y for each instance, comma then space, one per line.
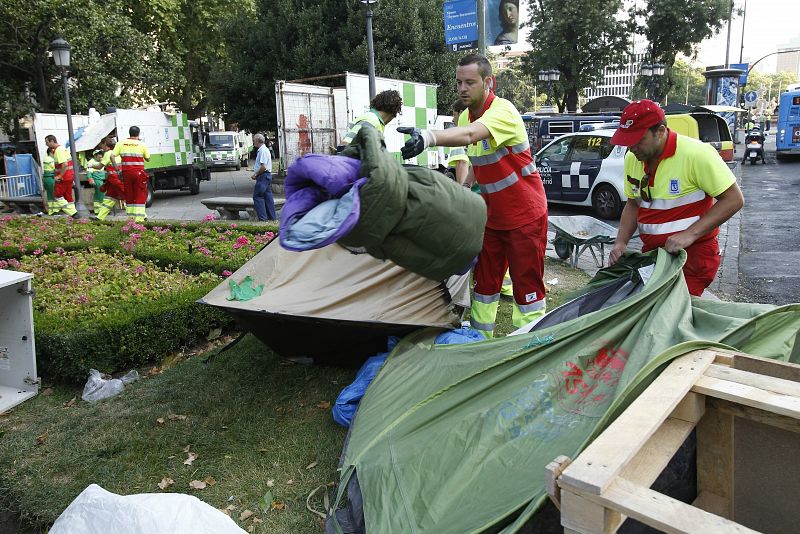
788, 138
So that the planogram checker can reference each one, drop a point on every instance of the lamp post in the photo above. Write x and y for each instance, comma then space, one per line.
370, 48
549, 76
61, 52
652, 73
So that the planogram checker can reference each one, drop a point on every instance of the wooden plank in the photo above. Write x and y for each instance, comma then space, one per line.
578, 514
766, 366
552, 471
712, 503
691, 408
594, 470
715, 457
768, 383
754, 414
749, 396
662, 512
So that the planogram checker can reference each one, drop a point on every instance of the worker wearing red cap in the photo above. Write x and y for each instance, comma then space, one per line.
671, 182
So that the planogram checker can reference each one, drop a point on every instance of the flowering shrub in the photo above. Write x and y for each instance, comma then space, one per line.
86, 285
30, 235
214, 247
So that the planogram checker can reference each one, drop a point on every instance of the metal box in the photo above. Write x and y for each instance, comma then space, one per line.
18, 380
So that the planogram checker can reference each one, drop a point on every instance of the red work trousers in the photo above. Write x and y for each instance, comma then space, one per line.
700, 269
135, 186
521, 251
113, 185
63, 189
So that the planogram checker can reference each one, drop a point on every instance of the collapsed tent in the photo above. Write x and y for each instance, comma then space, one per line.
416, 217
456, 438
335, 306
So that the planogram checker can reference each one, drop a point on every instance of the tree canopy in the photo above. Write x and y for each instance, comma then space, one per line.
677, 26
294, 39
580, 38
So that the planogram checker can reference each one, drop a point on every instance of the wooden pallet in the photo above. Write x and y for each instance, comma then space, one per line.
747, 414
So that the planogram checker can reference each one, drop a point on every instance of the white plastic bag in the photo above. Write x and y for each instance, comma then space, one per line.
98, 388
97, 511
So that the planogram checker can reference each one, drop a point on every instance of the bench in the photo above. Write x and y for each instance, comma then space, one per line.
229, 207
24, 204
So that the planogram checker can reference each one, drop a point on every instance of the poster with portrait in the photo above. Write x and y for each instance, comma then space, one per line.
502, 22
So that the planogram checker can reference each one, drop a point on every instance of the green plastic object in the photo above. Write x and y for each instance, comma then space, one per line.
246, 290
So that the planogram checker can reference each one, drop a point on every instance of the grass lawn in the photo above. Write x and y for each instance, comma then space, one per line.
261, 429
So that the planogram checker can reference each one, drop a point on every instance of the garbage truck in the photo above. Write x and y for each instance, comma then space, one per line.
228, 149
176, 144
313, 118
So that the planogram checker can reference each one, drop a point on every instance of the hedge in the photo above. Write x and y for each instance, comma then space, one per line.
129, 336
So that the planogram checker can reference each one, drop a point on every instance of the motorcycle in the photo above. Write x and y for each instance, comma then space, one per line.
754, 147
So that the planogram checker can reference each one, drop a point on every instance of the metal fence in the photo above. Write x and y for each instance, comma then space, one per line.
20, 185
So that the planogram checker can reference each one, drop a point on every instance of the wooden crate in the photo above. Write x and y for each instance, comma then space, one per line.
746, 411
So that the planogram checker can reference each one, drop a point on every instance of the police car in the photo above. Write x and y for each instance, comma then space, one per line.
585, 169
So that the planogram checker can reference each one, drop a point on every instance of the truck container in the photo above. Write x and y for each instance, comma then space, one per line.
315, 113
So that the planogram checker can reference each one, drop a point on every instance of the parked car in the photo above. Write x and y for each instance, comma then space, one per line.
706, 125
584, 169
544, 128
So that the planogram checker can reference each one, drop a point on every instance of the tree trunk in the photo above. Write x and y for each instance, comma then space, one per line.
571, 100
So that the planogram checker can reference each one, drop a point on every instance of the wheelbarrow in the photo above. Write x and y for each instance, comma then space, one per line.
578, 233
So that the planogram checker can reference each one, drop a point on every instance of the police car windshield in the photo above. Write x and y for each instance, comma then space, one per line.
220, 141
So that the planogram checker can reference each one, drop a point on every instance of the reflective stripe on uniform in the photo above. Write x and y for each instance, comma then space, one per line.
668, 227
533, 306
529, 169
520, 147
486, 299
499, 185
489, 159
484, 327
669, 203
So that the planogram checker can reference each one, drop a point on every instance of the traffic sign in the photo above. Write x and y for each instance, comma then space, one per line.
750, 98
460, 24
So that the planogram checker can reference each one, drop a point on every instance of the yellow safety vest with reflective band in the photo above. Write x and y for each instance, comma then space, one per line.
63, 161
372, 117
132, 153
457, 154
682, 190
49, 164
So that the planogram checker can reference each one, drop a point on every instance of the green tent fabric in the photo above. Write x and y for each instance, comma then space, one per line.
455, 438
416, 217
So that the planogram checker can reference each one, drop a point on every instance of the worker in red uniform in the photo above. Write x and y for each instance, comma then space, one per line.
515, 237
113, 187
671, 182
132, 153
64, 177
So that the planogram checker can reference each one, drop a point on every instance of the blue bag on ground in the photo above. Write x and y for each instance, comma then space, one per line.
459, 336
347, 401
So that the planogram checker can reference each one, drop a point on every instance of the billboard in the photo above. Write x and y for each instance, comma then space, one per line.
460, 24
502, 22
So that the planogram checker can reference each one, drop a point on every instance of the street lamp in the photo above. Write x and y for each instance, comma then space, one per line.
370, 48
61, 55
652, 73
549, 76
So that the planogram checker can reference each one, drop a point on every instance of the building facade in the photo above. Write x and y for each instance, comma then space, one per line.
620, 81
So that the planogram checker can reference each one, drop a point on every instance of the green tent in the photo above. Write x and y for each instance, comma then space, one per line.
455, 438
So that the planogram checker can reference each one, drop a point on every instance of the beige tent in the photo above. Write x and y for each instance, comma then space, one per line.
335, 306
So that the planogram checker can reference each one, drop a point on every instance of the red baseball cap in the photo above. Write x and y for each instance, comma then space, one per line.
636, 118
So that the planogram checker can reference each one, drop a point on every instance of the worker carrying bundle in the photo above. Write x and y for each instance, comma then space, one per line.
366, 199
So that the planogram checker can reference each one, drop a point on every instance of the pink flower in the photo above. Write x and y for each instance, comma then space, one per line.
27, 239
14, 263
7, 243
60, 251
233, 225
226, 273
139, 270
207, 218
242, 240
37, 252
82, 299
88, 237
4, 264
91, 270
